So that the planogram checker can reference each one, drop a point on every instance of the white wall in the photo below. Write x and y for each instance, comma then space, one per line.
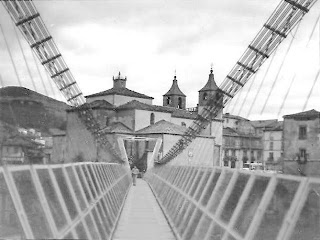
142, 118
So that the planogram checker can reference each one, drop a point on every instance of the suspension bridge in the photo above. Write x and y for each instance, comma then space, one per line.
96, 200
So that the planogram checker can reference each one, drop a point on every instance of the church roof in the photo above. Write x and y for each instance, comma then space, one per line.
175, 112
304, 115
134, 104
211, 84
174, 90
117, 127
120, 91
180, 113
162, 127
98, 104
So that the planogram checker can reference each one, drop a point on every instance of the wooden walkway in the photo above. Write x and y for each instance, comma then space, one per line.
141, 217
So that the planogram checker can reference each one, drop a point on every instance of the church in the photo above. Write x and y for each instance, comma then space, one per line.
144, 130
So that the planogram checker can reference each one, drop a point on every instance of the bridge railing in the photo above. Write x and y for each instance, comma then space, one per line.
81, 200
223, 203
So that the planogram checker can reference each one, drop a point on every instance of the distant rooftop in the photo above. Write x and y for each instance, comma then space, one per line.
174, 90
117, 127
178, 113
311, 114
228, 115
120, 91
163, 127
263, 123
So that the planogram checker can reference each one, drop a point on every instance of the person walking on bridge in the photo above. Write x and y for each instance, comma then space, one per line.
135, 172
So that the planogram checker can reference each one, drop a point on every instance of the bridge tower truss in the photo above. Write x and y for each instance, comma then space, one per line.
281, 22
26, 17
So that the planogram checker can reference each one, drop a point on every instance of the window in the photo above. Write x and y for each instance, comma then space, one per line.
15, 150
151, 118
271, 146
302, 132
168, 100
270, 156
205, 96
244, 152
303, 153
180, 102
107, 121
233, 153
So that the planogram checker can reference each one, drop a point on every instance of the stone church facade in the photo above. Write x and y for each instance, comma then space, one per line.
122, 113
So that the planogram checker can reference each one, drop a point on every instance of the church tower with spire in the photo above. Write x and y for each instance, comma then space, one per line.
208, 90
215, 126
175, 97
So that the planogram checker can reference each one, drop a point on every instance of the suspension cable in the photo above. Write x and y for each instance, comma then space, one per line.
261, 83
279, 70
310, 91
39, 73
285, 97
313, 30
249, 90
25, 59
10, 54
286, 16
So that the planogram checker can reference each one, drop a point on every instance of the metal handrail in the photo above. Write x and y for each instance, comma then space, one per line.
78, 200
223, 203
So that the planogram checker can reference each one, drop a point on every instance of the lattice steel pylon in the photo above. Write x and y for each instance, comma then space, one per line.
26, 17
281, 22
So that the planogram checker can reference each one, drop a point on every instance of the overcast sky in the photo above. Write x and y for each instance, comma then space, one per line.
147, 40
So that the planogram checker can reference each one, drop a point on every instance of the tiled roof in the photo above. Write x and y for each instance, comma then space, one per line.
228, 115
134, 104
161, 127
98, 104
117, 127
263, 123
234, 132
276, 126
311, 114
120, 91
174, 90
211, 84
101, 104
180, 113
230, 131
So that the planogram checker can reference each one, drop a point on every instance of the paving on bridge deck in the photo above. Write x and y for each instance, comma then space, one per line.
141, 217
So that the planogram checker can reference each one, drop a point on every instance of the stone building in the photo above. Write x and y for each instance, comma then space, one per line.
301, 134
241, 144
135, 111
273, 145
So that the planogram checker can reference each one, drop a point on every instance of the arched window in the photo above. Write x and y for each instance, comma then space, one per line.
168, 100
183, 124
180, 102
151, 118
205, 96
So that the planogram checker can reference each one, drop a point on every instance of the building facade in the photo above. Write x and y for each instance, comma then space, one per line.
301, 134
136, 111
241, 144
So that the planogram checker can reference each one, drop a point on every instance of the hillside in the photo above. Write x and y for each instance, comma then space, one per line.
28, 109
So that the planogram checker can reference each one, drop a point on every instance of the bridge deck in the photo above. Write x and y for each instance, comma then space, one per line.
142, 217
